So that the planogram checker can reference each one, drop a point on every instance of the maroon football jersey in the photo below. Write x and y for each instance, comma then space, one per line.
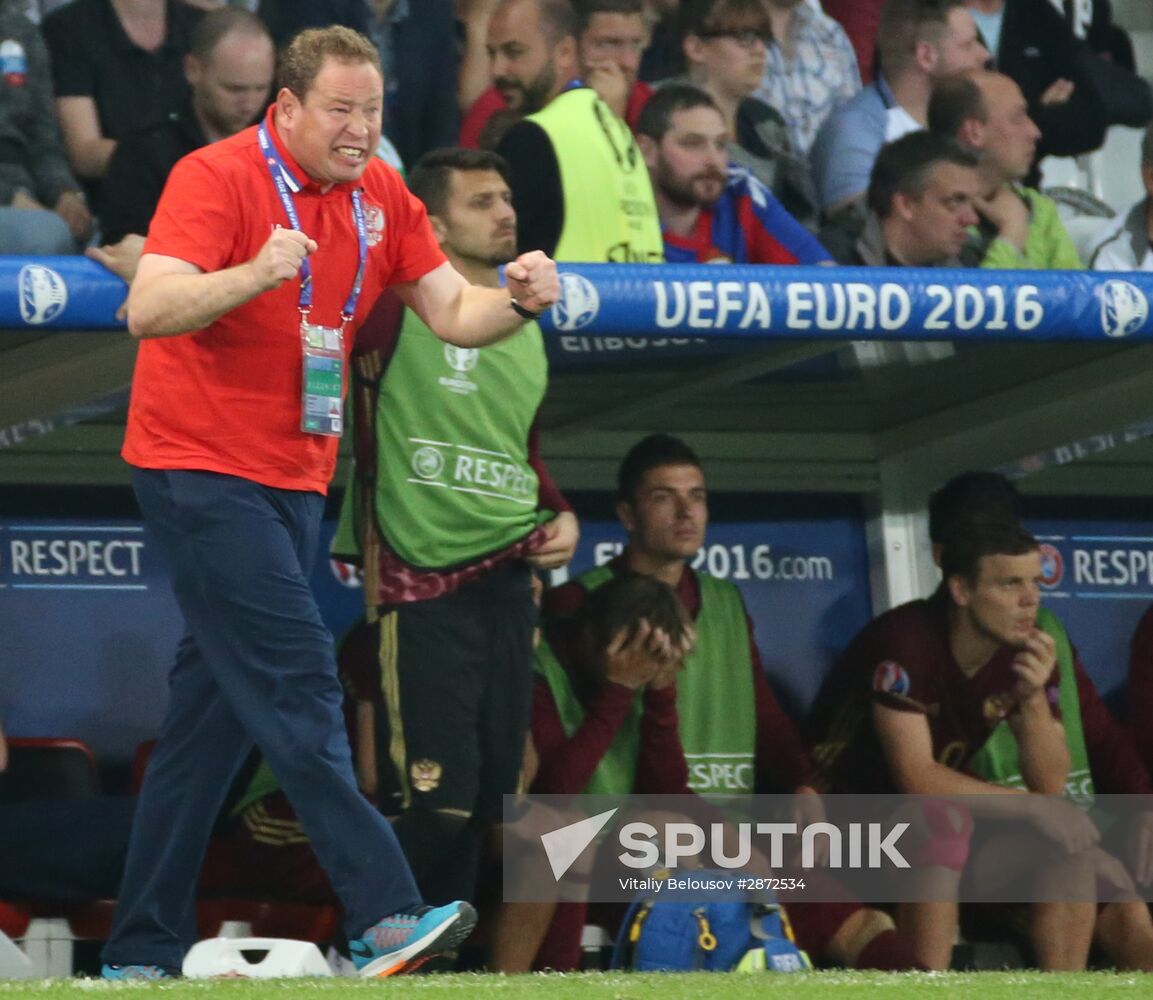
902, 660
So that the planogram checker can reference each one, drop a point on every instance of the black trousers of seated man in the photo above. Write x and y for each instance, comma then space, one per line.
456, 697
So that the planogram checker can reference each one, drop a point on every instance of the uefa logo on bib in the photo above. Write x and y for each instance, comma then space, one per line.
579, 302
427, 462
43, 294
1124, 308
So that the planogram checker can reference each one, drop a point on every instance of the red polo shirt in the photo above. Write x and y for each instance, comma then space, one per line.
227, 398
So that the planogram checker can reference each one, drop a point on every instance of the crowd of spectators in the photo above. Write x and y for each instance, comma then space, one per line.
808, 95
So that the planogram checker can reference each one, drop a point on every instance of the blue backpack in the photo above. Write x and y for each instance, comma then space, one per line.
670, 935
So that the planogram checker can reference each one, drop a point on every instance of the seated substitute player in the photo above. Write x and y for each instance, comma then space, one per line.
713, 211
630, 634
1141, 687
1102, 755
727, 723
917, 694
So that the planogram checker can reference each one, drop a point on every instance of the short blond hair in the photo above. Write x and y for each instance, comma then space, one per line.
300, 62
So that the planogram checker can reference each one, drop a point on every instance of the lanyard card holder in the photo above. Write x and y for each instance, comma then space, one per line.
322, 347
322, 354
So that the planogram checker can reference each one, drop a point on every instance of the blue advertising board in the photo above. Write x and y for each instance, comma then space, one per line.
609, 308
89, 627
750, 301
90, 623
1098, 579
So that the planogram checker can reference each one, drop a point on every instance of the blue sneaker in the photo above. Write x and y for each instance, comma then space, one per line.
134, 973
401, 942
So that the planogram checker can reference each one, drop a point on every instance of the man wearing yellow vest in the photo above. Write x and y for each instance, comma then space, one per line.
449, 509
735, 736
579, 182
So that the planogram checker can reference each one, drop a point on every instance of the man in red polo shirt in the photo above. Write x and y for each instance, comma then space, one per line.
266, 252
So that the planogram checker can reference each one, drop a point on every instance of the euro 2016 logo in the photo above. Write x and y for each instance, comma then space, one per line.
578, 304
891, 678
1124, 308
461, 359
43, 294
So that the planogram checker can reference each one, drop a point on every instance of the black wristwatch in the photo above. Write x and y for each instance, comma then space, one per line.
522, 311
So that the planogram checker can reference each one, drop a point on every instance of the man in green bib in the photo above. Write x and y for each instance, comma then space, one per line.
735, 736
729, 716
448, 511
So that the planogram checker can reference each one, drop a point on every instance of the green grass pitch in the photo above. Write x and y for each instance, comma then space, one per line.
617, 986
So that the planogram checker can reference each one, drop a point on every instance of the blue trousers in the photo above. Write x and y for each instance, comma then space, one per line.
255, 666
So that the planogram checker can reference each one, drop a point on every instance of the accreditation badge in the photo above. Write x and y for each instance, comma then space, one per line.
322, 352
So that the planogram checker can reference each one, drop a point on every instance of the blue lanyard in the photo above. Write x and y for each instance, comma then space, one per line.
285, 184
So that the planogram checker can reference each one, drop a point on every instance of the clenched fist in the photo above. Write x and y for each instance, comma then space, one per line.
532, 280
281, 257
